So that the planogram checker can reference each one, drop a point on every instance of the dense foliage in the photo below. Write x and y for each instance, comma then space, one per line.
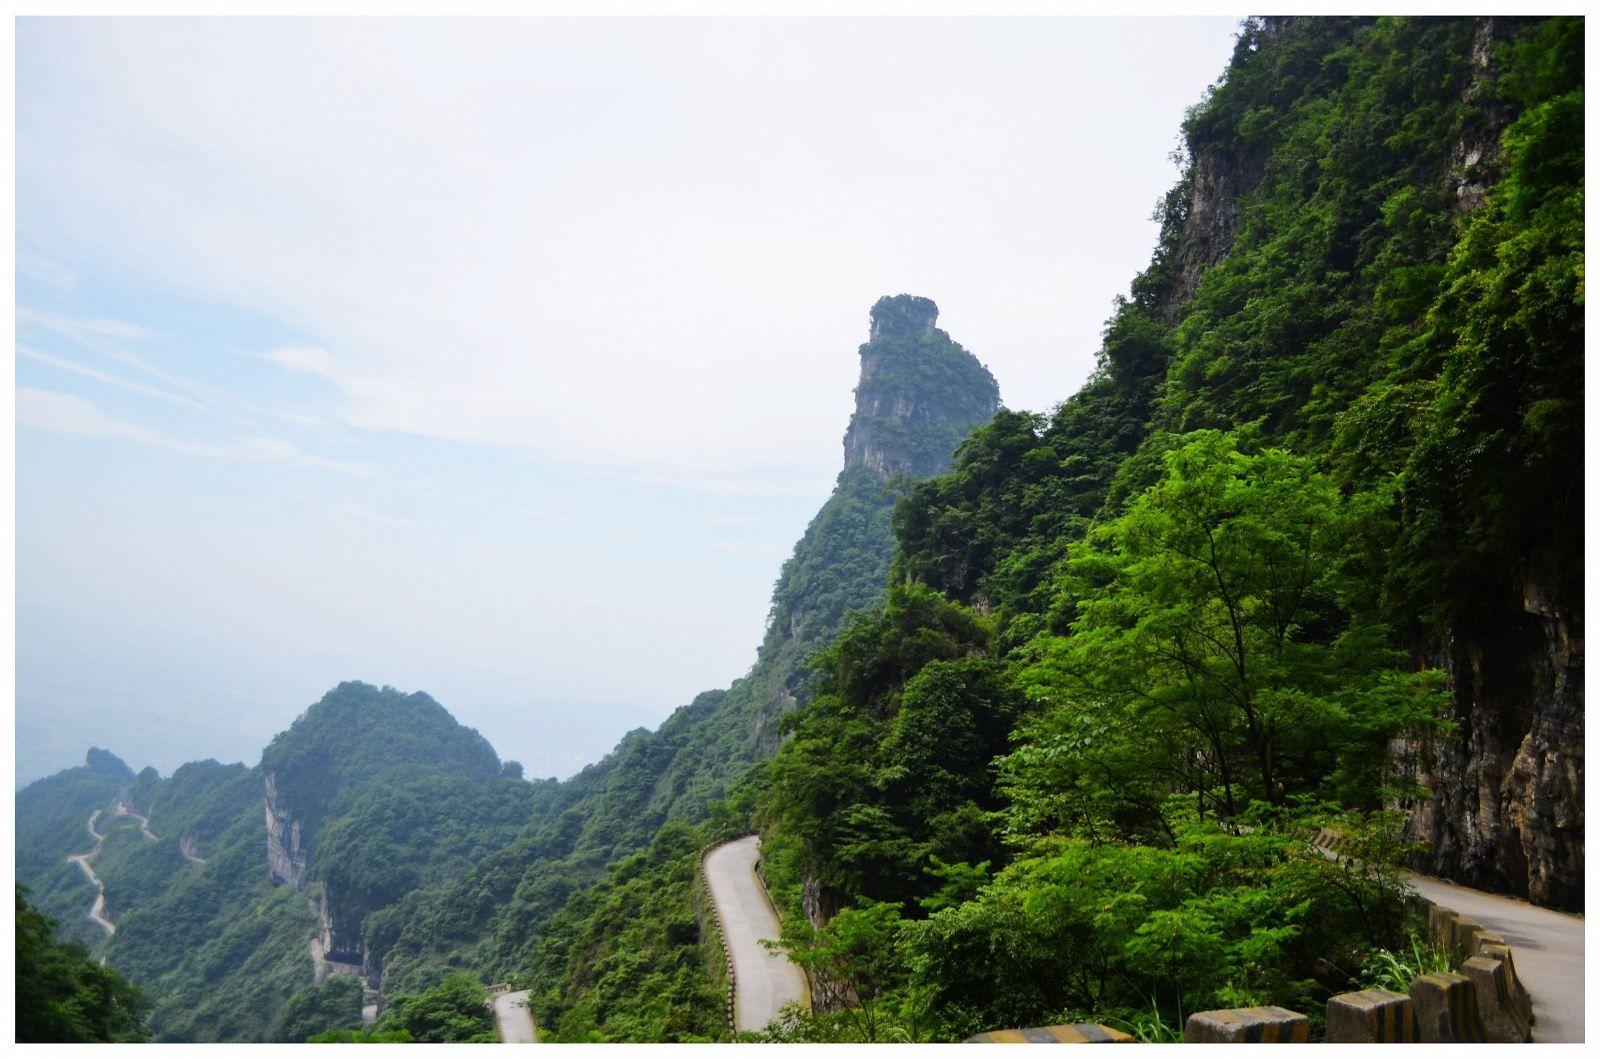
456, 1011
332, 1006
1138, 649
632, 958
63, 995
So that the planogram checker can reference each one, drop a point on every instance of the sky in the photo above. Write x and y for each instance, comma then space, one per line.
507, 360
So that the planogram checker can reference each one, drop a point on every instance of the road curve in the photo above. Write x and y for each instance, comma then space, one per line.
124, 809
1547, 947
97, 911
764, 981
511, 1014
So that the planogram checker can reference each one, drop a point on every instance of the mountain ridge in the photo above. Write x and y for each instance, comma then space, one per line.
393, 837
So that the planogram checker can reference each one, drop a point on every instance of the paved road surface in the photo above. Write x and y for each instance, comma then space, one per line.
514, 1019
124, 809
1546, 946
97, 911
764, 981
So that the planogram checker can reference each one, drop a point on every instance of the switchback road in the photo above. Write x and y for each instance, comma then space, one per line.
764, 981
97, 911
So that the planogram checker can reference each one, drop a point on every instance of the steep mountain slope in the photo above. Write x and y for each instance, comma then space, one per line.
920, 394
52, 819
1374, 258
394, 846
1305, 549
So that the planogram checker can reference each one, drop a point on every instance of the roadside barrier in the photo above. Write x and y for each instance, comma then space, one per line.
1371, 1016
1077, 1033
1447, 1009
1264, 1025
722, 940
1501, 1017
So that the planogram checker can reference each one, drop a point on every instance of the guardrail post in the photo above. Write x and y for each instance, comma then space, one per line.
1371, 1016
1497, 1007
1263, 1025
1447, 1009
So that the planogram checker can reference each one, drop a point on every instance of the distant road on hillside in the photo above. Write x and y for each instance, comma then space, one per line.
764, 981
511, 1014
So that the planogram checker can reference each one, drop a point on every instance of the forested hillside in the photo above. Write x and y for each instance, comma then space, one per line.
224, 917
1305, 551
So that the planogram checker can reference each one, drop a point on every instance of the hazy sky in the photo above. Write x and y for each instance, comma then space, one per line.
507, 360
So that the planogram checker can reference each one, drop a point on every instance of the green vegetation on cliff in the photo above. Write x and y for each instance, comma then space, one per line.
1138, 650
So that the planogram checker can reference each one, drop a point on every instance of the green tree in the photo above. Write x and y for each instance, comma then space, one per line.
63, 996
457, 1009
853, 960
1217, 650
333, 1005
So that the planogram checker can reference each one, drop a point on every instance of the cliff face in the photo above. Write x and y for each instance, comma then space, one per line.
919, 393
338, 947
288, 853
1506, 811
1505, 804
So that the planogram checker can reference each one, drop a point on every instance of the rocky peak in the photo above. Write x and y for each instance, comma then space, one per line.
920, 393
903, 314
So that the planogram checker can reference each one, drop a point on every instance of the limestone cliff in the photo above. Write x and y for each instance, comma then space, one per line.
919, 394
288, 854
1506, 784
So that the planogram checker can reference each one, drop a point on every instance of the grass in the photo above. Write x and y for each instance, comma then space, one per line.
1396, 970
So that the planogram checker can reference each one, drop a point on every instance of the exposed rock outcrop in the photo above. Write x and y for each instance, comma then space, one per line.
288, 853
1506, 805
920, 393
905, 315
337, 947
1478, 150
1220, 182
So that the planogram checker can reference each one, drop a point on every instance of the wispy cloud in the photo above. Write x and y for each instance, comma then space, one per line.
45, 270
74, 416
105, 377
94, 332
104, 336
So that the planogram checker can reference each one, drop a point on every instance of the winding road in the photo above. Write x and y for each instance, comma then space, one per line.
1546, 946
764, 981
97, 911
124, 809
